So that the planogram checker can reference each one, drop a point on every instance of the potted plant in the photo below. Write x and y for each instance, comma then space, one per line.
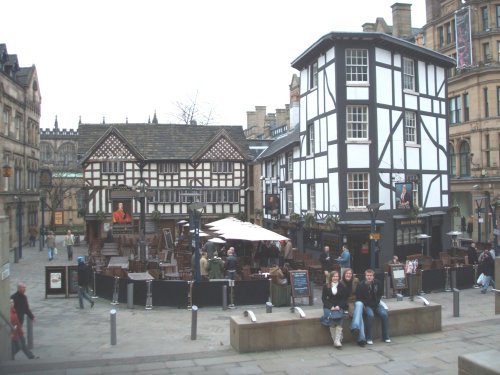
156, 215
294, 218
331, 221
100, 215
309, 220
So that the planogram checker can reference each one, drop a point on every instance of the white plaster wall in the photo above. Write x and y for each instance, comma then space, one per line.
426, 104
383, 56
303, 81
384, 129
385, 194
431, 79
384, 86
358, 155
398, 142
411, 101
320, 94
441, 76
330, 88
333, 184
312, 105
413, 158
333, 156
434, 189
397, 60
309, 169
303, 112
330, 54
422, 83
398, 89
357, 93
323, 129
321, 165
320, 197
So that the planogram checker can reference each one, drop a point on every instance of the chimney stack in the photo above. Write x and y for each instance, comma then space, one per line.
401, 20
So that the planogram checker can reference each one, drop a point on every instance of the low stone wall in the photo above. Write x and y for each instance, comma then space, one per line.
286, 330
484, 363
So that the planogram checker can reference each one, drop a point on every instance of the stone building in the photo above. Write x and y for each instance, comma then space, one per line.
20, 104
469, 31
64, 201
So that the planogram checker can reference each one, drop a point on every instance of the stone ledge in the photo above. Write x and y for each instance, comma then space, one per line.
484, 363
286, 330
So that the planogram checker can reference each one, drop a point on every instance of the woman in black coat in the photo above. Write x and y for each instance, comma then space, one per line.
334, 299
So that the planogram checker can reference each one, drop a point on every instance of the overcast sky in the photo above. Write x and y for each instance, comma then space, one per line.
123, 59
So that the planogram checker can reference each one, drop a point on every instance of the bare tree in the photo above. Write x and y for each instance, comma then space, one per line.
192, 112
62, 196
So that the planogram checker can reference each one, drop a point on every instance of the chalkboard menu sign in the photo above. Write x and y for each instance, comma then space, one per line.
72, 279
300, 283
398, 276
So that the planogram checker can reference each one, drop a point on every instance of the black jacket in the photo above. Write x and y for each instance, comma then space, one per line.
488, 265
22, 307
326, 264
339, 299
83, 275
369, 294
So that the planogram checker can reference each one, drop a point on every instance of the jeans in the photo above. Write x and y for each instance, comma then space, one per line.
486, 283
357, 320
20, 344
69, 249
51, 252
82, 293
384, 318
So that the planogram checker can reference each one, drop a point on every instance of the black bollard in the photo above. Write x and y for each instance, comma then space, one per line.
130, 295
456, 302
411, 280
453, 278
387, 285
30, 333
194, 321
224, 297
112, 320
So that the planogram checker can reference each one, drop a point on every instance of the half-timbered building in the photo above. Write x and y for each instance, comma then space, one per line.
171, 165
373, 124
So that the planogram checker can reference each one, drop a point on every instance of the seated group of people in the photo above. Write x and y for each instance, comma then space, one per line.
216, 268
359, 300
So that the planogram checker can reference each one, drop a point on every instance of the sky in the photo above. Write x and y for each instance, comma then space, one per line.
123, 59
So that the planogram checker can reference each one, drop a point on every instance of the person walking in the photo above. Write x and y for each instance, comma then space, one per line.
334, 297
18, 342
83, 282
51, 245
368, 295
21, 303
488, 270
69, 241
344, 259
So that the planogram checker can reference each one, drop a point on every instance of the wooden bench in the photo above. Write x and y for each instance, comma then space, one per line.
286, 330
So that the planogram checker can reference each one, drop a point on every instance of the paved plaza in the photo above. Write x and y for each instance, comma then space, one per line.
69, 340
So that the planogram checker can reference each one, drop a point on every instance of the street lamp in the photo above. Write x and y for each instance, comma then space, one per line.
479, 205
19, 253
195, 210
493, 210
373, 209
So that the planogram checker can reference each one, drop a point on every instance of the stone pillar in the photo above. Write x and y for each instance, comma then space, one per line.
4, 291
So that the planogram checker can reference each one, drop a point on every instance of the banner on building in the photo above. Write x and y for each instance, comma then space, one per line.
272, 204
404, 195
463, 37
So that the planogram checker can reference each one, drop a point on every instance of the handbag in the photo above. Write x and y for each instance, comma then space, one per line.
336, 314
55, 250
480, 279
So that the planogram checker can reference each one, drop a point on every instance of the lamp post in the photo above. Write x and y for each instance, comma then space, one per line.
373, 209
19, 253
493, 210
479, 205
195, 210
42, 226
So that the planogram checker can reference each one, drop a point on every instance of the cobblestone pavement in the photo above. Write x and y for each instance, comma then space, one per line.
73, 341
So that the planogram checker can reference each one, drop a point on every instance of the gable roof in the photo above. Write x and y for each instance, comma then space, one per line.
282, 144
161, 141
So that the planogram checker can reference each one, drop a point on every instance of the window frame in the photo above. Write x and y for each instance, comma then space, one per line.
357, 122
410, 125
409, 76
310, 139
222, 167
167, 167
356, 65
112, 167
357, 196
485, 19
454, 110
313, 75
466, 105
311, 197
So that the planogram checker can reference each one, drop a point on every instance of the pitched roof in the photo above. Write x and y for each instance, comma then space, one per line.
281, 144
161, 141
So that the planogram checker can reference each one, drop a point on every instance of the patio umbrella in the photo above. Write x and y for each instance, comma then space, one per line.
216, 240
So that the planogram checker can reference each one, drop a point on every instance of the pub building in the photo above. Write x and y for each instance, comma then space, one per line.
369, 166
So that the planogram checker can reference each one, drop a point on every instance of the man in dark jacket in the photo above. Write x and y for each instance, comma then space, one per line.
488, 269
231, 265
472, 253
83, 282
326, 261
368, 294
21, 303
